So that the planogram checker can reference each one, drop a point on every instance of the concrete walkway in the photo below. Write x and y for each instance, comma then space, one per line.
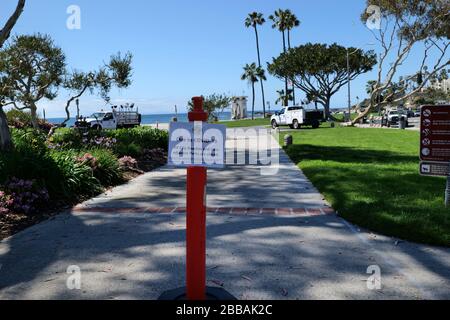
269, 237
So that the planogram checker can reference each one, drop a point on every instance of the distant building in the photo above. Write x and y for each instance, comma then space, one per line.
239, 108
443, 85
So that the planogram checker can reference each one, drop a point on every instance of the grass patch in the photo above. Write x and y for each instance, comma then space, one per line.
246, 123
371, 176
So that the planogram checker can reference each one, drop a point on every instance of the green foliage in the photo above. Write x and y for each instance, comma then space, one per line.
213, 105
128, 142
68, 138
419, 20
21, 120
77, 179
132, 150
32, 68
116, 73
60, 171
142, 137
107, 170
320, 70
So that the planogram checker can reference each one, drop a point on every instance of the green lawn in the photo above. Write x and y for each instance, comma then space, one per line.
371, 178
246, 123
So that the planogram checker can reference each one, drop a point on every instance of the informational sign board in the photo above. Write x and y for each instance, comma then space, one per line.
435, 133
197, 144
436, 169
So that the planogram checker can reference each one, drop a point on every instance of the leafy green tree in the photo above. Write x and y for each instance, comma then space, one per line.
283, 97
33, 68
115, 73
252, 74
214, 104
405, 25
5, 135
320, 70
254, 20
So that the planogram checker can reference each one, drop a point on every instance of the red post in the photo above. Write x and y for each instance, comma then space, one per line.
196, 220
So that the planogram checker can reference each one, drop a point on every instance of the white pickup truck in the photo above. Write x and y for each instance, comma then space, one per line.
114, 119
295, 117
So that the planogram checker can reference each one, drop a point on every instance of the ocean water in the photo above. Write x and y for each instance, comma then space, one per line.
150, 118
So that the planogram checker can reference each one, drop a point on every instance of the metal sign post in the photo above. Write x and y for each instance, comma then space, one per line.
187, 150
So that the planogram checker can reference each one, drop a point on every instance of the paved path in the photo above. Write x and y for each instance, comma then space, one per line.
269, 237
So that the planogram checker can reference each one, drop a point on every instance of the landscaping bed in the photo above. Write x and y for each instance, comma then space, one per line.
371, 177
40, 177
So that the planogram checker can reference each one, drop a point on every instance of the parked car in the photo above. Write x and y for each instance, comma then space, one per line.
392, 118
295, 117
114, 119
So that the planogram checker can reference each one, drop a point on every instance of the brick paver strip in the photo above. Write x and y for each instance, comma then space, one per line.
328, 211
254, 211
315, 211
299, 211
240, 211
233, 211
284, 211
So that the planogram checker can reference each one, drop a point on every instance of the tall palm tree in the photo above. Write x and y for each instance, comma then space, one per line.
283, 97
280, 20
253, 73
254, 20
291, 23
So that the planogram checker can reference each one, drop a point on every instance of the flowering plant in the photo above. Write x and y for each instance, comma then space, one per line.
89, 160
22, 196
128, 162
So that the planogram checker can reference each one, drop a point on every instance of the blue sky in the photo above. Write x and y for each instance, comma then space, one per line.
186, 48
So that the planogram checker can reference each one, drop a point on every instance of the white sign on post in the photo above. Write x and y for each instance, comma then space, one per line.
197, 144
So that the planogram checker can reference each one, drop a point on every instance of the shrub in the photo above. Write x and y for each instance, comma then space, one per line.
4, 202
78, 178
128, 162
143, 137
124, 149
124, 142
21, 120
29, 140
67, 138
30, 160
24, 196
106, 167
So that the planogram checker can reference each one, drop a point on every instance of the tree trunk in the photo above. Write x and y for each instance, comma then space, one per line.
33, 112
6, 30
327, 107
253, 102
259, 63
286, 87
289, 47
5, 135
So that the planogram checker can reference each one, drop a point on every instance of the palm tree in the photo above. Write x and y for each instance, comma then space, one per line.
283, 97
291, 23
254, 20
253, 74
280, 20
